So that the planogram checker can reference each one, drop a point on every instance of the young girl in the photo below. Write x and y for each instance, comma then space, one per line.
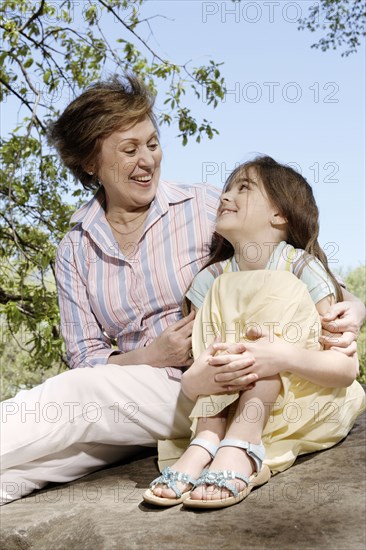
259, 287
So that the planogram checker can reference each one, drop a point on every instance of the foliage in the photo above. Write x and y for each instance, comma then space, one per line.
51, 51
356, 283
344, 21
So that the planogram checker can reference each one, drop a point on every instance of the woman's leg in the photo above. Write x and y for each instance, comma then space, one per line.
247, 424
74, 423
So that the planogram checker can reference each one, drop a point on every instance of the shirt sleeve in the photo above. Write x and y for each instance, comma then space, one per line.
86, 344
317, 280
200, 286
213, 195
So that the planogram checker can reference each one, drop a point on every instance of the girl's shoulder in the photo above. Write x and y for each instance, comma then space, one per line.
204, 280
288, 258
305, 267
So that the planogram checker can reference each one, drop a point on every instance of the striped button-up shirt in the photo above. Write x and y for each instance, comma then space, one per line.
131, 298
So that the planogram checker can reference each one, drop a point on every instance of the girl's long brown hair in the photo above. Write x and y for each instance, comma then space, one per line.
293, 196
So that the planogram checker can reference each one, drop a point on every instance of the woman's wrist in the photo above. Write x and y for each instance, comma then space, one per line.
151, 356
139, 356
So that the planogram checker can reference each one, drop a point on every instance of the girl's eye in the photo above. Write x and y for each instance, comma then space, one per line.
243, 186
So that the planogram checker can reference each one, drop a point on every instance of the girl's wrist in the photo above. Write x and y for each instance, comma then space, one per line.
293, 360
185, 386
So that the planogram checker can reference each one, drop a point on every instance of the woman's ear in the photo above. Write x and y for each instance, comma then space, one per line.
89, 169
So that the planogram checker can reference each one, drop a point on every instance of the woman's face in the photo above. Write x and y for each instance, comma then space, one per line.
129, 166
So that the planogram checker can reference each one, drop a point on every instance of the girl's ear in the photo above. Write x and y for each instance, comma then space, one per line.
278, 220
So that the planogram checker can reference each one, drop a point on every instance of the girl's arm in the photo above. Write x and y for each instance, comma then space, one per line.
273, 355
328, 368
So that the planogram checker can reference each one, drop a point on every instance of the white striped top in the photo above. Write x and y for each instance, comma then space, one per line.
105, 295
283, 257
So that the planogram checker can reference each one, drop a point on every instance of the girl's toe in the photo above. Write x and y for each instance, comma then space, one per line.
168, 493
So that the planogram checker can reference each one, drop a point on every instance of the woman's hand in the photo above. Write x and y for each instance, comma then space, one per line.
203, 377
172, 348
341, 326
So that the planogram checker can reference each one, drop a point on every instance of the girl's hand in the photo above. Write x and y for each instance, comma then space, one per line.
271, 355
341, 326
202, 378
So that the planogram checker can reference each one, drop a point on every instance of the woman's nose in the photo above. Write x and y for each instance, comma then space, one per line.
146, 158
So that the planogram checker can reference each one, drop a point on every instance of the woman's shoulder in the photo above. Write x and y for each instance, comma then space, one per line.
84, 217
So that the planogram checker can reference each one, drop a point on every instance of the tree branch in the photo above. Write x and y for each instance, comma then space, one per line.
109, 8
23, 100
34, 16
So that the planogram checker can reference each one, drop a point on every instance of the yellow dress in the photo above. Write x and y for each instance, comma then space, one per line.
306, 417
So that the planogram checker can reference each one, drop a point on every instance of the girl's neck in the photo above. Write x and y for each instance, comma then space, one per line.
251, 256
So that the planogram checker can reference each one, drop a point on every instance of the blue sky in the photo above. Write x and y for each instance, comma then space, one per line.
309, 108
297, 104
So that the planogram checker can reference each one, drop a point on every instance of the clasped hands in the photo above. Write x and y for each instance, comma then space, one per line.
225, 367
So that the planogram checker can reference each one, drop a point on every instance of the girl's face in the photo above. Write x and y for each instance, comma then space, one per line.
245, 212
129, 166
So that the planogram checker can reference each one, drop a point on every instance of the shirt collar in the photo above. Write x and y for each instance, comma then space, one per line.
167, 193
92, 214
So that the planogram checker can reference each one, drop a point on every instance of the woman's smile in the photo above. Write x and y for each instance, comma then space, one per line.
129, 167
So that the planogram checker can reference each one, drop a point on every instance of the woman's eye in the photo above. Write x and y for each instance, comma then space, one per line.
153, 146
243, 186
130, 151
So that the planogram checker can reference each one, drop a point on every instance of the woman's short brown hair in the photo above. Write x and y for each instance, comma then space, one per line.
103, 108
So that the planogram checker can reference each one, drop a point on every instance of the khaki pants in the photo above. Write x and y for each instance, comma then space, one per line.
81, 420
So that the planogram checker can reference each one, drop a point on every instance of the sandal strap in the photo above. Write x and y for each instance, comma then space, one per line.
207, 445
220, 479
256, 452
169, 478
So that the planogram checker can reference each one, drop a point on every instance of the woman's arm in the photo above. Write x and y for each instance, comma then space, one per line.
342, 323
170, 349
86, 343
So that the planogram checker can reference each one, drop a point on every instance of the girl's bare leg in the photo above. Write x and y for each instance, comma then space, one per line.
195, 458
247, 424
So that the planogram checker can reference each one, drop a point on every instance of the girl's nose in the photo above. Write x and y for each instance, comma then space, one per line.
225, 197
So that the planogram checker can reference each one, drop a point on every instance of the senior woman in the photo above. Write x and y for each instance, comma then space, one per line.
122, 271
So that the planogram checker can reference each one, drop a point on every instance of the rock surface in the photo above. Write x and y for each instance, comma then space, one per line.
318, 503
